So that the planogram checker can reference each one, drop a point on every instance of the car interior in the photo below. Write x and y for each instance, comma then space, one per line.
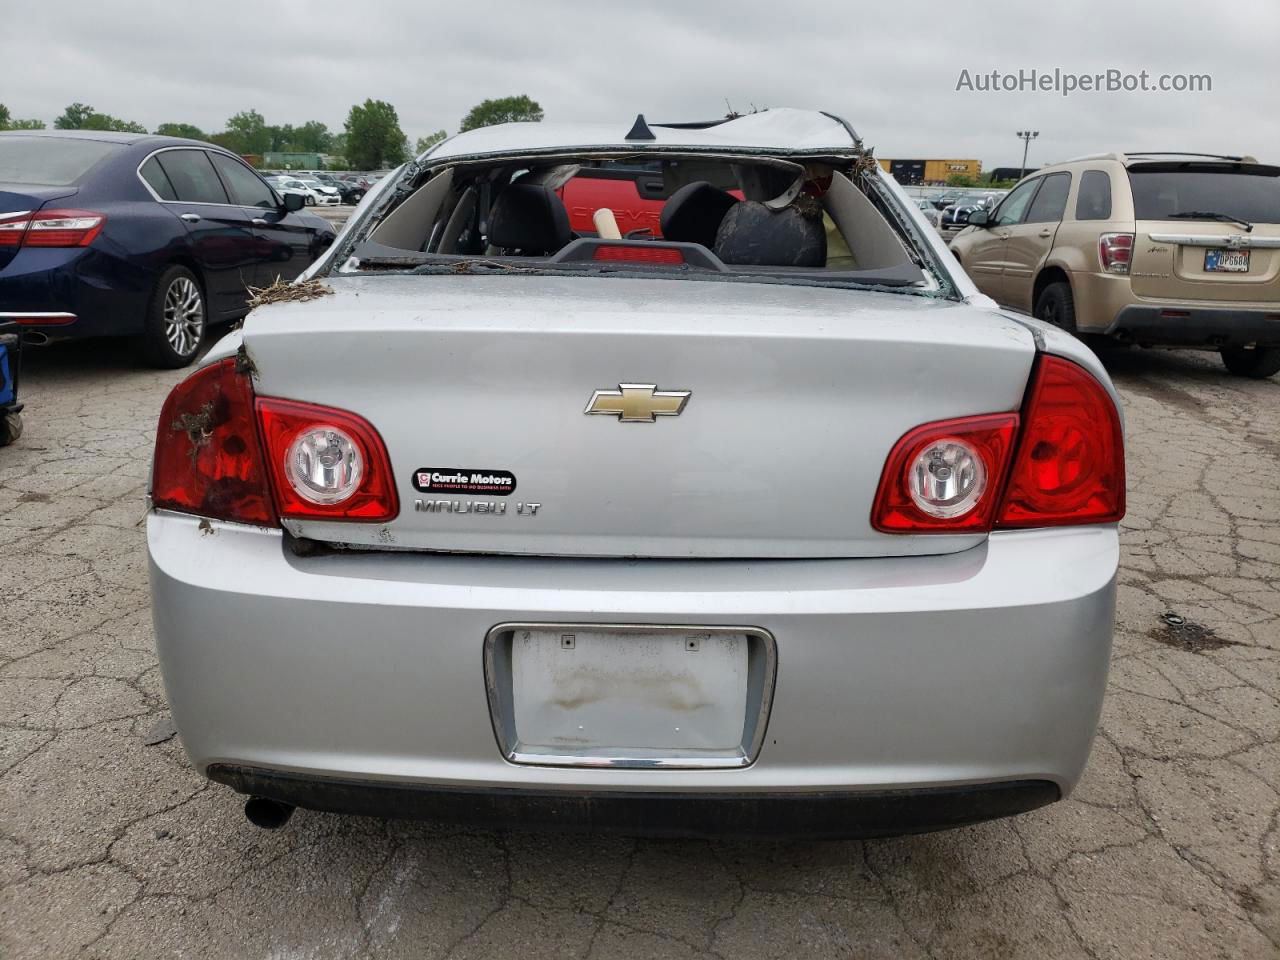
741, 216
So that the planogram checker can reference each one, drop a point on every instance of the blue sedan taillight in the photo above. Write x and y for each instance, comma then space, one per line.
50, 228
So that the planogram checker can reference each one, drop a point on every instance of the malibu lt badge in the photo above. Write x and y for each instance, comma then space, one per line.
493, 508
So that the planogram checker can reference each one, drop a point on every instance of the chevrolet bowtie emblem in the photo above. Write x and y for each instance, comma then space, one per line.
638, 402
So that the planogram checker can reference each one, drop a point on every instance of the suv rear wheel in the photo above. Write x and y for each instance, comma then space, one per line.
1257, 363
1055, 305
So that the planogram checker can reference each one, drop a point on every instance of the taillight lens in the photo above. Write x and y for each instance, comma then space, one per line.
51, 228
1115, 252
326, 464
208, 459
12, 228
41, 319
945, 477
1060, 462
1069, 467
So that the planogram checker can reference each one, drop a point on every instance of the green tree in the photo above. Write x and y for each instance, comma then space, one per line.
430, 140
188, 130
81, 116
501, 110
74, 117
312, 137
7, 122
247, 133
228, 141
280, 137
374, 138
104, 121
960, 180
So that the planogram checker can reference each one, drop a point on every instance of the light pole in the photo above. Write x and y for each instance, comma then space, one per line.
1026, 136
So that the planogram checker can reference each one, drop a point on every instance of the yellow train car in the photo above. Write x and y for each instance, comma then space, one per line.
931, 171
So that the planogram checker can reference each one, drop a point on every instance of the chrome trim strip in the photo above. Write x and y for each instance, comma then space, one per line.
10, 214
749, 751
1237, 241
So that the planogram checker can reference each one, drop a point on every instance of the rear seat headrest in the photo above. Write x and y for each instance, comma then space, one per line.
753, 235
693, 213
530, 218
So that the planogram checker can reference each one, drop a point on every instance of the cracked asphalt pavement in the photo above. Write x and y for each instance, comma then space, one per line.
111, 847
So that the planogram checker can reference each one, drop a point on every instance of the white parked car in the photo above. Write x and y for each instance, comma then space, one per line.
287, 184
759, 521
329, 195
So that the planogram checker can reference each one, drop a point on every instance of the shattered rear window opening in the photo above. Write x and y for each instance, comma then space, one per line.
668, 214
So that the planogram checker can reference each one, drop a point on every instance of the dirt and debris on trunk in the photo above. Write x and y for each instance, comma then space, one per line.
1177, 631
298, 291
244, 363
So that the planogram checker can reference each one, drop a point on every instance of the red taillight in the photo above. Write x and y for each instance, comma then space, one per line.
41, 319
12, 228
1115, 252
326, 464
51, 228
208, 459
1061, 462
1069, 468
984, 442
223, 454
638, 254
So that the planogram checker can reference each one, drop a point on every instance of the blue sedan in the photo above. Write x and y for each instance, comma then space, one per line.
112, 234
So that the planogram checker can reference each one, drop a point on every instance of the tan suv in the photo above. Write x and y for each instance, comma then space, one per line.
1159, 249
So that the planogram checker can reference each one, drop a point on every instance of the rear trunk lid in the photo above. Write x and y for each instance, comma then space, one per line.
1187, 248
796, 395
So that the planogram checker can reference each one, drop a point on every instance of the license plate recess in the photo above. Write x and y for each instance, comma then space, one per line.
629, 695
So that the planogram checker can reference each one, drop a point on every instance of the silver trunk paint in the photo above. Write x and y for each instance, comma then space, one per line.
798, 394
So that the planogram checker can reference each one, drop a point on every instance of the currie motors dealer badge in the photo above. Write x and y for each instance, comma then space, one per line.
494, 483
452, 480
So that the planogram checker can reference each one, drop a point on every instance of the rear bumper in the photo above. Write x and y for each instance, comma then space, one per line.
901, 674
83, 292
776, 816
1183, 325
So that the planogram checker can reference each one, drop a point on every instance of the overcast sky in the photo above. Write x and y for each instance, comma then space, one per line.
891, 68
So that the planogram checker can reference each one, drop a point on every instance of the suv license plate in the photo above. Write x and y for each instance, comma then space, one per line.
1226, 261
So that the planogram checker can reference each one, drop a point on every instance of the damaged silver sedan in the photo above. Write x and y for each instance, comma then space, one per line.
663, 478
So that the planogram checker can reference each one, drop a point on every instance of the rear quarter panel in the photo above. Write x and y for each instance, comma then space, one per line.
1097, 295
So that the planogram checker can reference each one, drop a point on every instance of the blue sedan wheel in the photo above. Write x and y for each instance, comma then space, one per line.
176, 320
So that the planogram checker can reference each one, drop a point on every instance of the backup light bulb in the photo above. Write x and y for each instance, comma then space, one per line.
324, 465
947, 478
